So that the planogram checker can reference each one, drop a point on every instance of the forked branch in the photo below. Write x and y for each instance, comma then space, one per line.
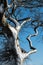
22, 55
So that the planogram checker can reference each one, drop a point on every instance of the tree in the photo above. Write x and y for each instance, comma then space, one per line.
11, 33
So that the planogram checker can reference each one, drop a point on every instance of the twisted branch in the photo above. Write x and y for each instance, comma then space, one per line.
28, 38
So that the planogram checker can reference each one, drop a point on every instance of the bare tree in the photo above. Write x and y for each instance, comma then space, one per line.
11, 33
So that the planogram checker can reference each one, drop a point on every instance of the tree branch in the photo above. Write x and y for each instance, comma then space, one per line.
26, 20
14, 21
4, 19
28, 38
9, 6
25, 55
